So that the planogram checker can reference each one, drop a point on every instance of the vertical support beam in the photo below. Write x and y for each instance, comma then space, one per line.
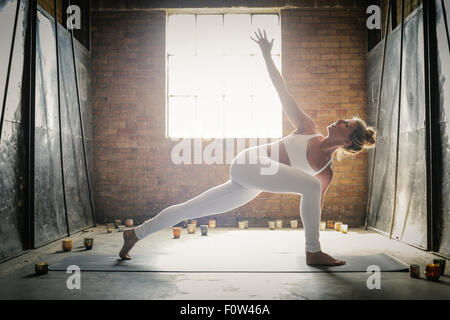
400, 78
28, 94
380, 90
8, 72
91, 201
59, 116
432, 125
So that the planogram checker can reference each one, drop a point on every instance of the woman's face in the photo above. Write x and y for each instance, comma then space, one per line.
340, 131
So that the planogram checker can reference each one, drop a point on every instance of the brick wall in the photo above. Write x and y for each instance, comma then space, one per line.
324, 65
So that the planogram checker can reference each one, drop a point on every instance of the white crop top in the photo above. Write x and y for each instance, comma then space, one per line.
296, 149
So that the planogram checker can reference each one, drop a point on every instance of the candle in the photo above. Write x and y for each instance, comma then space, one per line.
433, 272
121, 228
176, 232
245, 224
323, 225
117, 223
414, 271
194, 222
129, 223
241, 225
204, 229
294, 224
344, 228
191, 228
441, 263
88, 243
41, 268
67, 244
109, 227
212, 223
279, 224
271, 225
337, 225
330, 224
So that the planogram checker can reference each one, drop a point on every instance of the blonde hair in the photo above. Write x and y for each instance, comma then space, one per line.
363, 137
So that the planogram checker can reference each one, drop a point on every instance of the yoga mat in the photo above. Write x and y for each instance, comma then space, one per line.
226, 262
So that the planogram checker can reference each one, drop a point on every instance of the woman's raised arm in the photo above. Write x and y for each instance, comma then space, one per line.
295, 114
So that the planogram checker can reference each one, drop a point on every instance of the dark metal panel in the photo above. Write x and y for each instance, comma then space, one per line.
11, 182
50, 222
383, 186
381, 209
78, 203
7, 17
442, 218
410, 223
12, 153
83, 62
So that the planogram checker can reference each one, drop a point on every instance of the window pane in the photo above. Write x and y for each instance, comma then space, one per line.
269, 23
182, 75
181, 34
181, 116
210, 34
237, 34
267, 116
209, 74
237, 75
210, 117
261, 82
238, 116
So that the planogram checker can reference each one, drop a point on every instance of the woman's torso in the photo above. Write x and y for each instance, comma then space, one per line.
304, 152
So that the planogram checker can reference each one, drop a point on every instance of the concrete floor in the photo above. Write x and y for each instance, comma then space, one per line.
17, 279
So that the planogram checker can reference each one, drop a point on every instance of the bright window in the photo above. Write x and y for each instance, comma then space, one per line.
217, 82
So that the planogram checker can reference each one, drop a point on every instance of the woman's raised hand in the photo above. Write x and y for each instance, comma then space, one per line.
261, 40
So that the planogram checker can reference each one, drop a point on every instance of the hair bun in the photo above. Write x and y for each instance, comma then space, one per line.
370, 138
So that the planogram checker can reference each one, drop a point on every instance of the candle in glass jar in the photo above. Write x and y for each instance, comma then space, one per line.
279, 224
176, 232
191, 228
323, 225
67, 244
344, 228
271, 225
294, 224
337, 225
204, 229
212, 224
330, 224
241, 225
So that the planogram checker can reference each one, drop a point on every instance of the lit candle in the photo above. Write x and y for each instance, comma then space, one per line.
41, 268
129, 223
337, 225
414, 271
271, 225
279, 224
241, 225
323, 225
121, 228
191, 228
109, 228
212, 223
88, 243
67, 244
176, 232
344, 228
433, 272
294, 224
330, 224
245, 224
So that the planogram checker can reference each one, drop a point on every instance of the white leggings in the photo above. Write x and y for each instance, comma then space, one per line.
246, 182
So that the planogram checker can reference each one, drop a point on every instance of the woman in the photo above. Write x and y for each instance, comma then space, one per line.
303, 167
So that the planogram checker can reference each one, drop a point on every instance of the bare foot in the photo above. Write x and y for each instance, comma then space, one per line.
322, 259
129, 240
